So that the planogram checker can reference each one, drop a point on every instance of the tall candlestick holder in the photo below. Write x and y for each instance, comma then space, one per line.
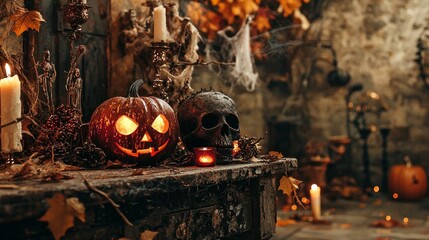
75, 14
160, 60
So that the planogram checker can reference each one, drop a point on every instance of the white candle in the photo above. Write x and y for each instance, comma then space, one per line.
315, 201
160, 31
10, 88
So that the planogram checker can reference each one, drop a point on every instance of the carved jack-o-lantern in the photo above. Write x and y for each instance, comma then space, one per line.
209, 119
135, 129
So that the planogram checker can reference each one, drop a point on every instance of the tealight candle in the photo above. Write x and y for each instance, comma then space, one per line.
315, 201
205, 156
10, 88
160, 31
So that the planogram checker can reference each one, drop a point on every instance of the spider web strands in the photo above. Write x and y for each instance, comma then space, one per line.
277, 44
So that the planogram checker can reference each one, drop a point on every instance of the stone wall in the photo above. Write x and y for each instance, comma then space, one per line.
376, 43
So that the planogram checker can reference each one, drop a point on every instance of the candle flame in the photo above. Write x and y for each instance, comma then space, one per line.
376, 189
406, 220
206, 159
388, 218
314, 187
8, 71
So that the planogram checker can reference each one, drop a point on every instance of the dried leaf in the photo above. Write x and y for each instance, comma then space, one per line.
148, 235
25, 123
61, 213
58, 218
286, 186
27, 170
55, 177
77, 209
289, 185
24, 20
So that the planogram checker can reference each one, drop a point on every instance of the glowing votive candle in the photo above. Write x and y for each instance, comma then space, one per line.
160, 31
205, 156
315, 201
10, 88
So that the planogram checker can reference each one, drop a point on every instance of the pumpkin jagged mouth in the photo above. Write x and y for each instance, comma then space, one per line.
139, 152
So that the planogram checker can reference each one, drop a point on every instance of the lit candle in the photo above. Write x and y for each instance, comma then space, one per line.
10, 88
205, 156
160, 31
315, 201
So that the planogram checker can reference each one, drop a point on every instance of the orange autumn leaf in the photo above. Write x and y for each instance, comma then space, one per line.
61, 213
24, 20
288, 185
289, 6
148, 235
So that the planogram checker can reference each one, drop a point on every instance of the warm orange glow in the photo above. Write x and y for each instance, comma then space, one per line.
376, 189
388, 218
294, 207
405, 220
125, 125
8, 71
205, 156
395, 196
146, 138
160, 124
305, 200
205, 159
236, 148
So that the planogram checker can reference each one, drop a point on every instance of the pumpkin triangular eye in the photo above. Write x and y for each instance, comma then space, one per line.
125, 125
160, 124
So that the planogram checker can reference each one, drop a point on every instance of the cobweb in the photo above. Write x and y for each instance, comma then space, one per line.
237, 50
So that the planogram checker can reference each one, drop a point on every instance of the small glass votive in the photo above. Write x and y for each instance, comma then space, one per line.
205, 156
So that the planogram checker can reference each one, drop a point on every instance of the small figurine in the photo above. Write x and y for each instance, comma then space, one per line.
74, 90
47, 79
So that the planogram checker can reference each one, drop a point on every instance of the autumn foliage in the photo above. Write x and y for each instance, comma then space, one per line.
211, 16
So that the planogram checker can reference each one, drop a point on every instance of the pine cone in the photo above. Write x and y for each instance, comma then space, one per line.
63, 126
89, 156
60, 150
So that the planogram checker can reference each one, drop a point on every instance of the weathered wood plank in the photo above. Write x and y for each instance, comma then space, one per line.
220, 201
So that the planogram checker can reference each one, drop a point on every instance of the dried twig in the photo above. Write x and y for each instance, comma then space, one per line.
13, 122
104, 195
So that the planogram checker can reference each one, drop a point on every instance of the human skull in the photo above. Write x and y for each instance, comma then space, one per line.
209, 119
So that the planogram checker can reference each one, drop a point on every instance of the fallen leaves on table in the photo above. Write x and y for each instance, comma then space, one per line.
24, 20
61, 213
50, 171
148, 235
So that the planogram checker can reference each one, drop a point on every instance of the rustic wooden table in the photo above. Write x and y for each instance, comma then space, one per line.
222, 202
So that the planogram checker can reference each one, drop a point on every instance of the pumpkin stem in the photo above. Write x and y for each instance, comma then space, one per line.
134, 88
408, 162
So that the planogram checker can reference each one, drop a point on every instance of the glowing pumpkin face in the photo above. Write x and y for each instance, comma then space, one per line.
135, 129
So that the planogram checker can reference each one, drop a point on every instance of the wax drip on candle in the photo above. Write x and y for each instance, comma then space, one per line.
11, 136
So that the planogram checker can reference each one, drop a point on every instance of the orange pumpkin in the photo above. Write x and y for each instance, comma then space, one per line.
408, 181
142, 130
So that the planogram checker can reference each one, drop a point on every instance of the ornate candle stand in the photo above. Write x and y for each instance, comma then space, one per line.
384, 160
76, 14
160, 60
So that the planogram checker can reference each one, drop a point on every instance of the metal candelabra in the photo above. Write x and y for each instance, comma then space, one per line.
75, 14
160, 60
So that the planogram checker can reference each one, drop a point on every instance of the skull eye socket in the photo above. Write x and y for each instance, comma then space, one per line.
160, 124
232, 121
125, 125
210, 120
